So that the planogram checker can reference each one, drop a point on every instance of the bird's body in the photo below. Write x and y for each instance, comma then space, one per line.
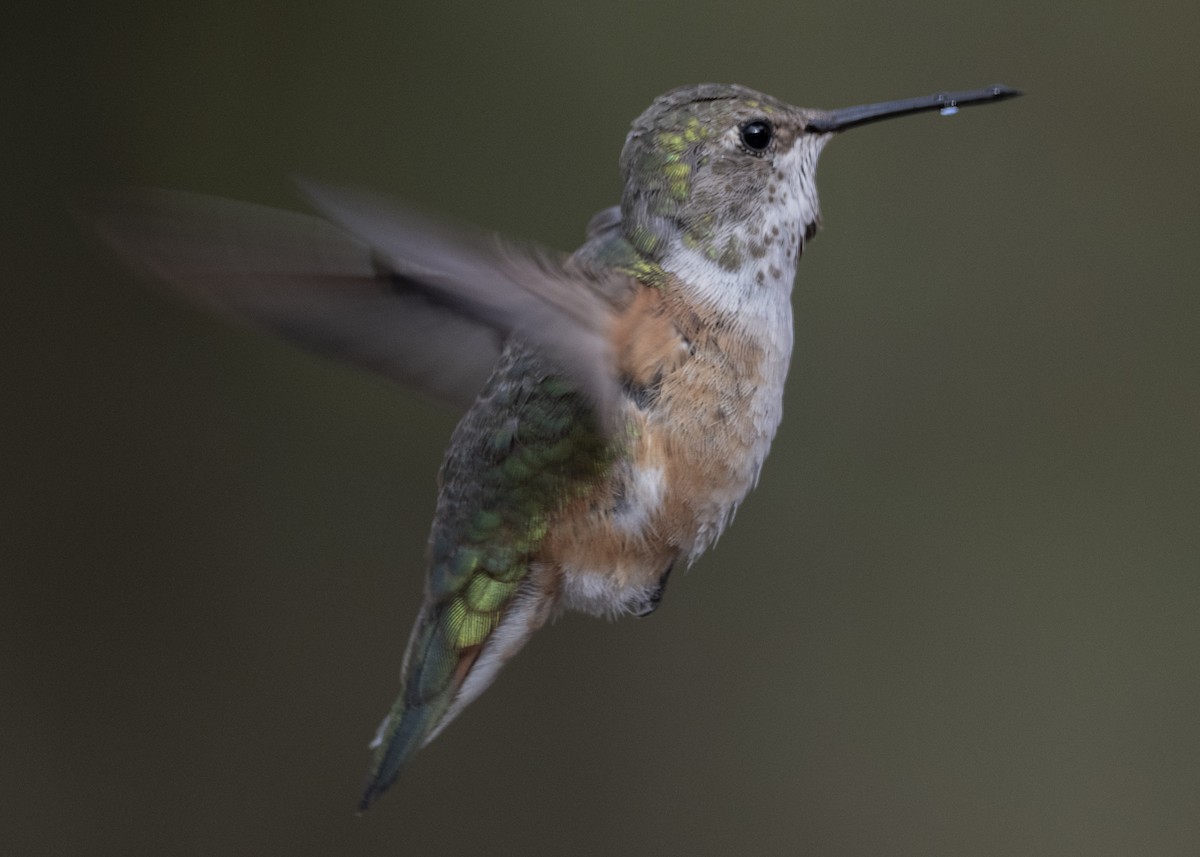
634, 387
540, 508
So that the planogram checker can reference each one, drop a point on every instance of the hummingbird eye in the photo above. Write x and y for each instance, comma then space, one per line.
757, 134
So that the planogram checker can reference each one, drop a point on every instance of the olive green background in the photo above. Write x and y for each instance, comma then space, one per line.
959, 616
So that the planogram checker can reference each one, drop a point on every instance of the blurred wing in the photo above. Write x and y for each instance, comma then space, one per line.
554, 304
300, 277
342, 295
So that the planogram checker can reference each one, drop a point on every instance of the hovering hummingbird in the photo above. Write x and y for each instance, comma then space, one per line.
620, 400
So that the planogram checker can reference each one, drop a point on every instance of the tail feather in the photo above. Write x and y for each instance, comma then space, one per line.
435, 670
433, 694
401, 734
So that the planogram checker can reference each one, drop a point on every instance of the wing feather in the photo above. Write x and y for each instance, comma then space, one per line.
424, 304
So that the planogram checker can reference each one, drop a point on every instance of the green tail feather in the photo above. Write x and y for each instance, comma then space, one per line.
528, 445
402, 734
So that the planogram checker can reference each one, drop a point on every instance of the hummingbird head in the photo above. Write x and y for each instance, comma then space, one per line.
723, 174
720, 180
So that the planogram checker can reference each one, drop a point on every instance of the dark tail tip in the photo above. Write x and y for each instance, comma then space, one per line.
378, 782
368, 797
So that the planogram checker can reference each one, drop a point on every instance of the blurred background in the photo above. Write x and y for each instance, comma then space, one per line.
958, 616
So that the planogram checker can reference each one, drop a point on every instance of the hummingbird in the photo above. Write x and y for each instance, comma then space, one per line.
619, 401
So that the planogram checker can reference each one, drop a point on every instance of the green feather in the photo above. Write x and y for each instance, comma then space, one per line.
528, 446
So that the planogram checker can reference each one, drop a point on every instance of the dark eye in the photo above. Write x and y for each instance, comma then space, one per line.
757, 134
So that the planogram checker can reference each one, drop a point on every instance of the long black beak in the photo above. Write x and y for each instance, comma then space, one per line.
947, 102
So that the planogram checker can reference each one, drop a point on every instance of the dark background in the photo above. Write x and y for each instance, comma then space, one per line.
959, 616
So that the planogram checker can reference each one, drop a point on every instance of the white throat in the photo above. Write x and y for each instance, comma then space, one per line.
769, 242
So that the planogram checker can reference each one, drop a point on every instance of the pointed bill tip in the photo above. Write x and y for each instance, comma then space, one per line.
831, 121
999, 90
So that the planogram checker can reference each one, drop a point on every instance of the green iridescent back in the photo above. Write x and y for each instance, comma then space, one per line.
528, 446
